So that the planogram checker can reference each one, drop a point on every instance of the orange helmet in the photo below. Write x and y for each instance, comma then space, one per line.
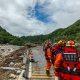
70, 43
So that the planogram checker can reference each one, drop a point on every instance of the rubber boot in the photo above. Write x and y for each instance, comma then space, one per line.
48, 73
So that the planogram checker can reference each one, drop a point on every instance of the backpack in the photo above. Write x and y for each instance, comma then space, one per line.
57, 49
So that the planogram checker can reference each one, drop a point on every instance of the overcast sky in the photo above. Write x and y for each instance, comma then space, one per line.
34, 17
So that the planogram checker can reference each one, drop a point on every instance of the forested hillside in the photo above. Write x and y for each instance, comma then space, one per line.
7, 38
71, 32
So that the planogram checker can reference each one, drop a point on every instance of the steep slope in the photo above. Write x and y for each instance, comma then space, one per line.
71, 32
6, 37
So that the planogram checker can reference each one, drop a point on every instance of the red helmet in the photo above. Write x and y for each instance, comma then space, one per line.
70, 43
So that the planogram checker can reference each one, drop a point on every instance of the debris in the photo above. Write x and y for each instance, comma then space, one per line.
11, 64
12, 76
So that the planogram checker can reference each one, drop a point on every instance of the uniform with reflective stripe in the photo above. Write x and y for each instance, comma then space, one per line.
71, 65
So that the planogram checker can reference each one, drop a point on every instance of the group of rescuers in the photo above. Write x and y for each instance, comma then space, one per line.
65, 59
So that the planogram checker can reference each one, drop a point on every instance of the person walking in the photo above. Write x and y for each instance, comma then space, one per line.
71, 64
57, 51
48, 56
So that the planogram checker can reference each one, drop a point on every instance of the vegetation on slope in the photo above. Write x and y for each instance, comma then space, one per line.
71, 32
7, 38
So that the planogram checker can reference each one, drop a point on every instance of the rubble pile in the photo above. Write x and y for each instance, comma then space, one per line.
12, 64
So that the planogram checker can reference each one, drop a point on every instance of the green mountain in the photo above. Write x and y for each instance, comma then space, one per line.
71, 32
7, 38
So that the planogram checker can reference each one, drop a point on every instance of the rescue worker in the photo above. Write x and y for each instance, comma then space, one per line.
70, 65
48, 56
57, 53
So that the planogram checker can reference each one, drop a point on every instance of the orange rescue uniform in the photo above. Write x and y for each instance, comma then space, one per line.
57, 54
48, 56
